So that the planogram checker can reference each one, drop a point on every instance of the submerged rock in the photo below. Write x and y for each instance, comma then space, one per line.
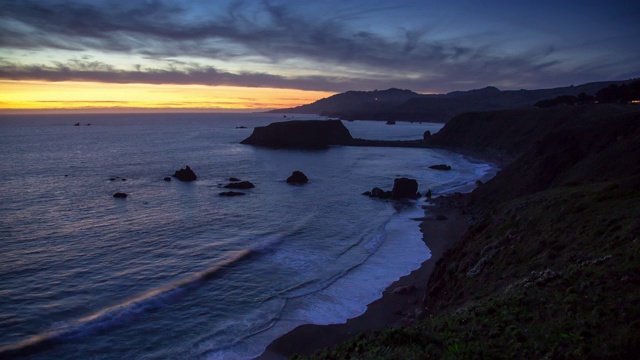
440, 167
231, 193
167, 178
297, 178
240, 185
185, 174
120, 195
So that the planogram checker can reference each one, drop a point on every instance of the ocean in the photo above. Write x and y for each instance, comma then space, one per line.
175, 271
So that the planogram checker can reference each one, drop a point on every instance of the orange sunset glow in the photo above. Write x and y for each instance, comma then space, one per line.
20, 96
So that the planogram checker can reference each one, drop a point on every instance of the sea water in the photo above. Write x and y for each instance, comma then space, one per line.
177, 271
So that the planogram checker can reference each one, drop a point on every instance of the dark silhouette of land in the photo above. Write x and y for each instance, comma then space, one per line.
406, 105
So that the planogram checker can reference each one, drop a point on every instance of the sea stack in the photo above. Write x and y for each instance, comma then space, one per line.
300, 134
298, 177
185, 174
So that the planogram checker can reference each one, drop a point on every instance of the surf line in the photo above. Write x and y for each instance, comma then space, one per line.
121, 313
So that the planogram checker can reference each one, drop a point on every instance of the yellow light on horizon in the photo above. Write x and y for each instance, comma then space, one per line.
73, 95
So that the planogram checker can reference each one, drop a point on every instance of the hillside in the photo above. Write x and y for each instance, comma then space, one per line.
405, 105
549, 266
512, 132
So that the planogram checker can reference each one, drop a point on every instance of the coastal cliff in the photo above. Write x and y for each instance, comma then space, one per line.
512, 132
549, 265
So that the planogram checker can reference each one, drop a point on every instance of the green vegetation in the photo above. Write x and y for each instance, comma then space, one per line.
523, 284
550, 268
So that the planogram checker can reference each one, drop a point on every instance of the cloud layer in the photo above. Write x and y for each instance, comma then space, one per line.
336, 46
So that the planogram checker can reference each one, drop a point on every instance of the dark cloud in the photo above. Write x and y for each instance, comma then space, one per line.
274, 33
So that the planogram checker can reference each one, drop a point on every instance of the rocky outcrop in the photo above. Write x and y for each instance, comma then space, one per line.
306, 134
167, 178
378, 193
240, 185
120, 195
404, 188
185, 174
297, 177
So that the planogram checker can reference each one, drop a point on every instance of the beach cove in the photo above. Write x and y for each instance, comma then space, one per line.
121, 272
547, 268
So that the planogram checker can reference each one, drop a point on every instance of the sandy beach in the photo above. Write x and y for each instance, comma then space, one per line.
392, 309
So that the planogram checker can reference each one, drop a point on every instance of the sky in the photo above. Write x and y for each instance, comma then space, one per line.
225, 55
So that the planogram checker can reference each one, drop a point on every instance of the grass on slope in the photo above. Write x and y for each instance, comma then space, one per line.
552, 275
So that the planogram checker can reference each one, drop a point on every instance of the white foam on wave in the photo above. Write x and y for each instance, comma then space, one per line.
396, 251
121, 313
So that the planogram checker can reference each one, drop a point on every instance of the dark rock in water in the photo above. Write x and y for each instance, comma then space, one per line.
167, 178
185, 174
231, 193
123, 179
233, 179
367, 193
404, 188
391, 122
120, 195
240, 185
76, 124
440, 167
306, 134
378, 193
428, 194
112, 179
297, 178
241, 127
427, 135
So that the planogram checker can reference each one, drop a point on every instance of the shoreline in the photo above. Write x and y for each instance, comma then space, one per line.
392, 309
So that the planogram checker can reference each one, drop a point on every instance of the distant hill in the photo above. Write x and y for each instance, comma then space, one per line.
406, 105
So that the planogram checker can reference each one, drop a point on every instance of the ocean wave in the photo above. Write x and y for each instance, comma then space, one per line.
122, 313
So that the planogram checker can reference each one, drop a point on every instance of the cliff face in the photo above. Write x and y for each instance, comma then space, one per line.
551, 259
586, 146
307, 134
512, 132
